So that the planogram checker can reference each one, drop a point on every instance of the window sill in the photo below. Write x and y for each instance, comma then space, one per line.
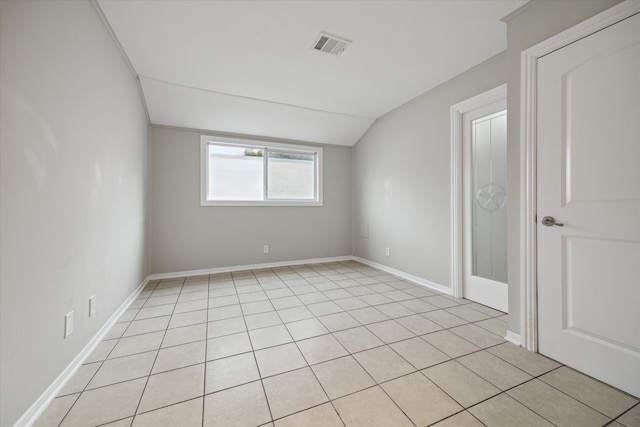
238, 203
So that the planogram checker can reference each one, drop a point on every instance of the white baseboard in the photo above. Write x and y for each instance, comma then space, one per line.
513, 338
38, 407
406, 276
33, 413
217, 270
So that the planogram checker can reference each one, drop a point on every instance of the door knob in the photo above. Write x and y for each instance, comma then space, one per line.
550, 221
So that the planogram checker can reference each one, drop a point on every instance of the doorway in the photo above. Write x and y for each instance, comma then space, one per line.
580, 170
478, 202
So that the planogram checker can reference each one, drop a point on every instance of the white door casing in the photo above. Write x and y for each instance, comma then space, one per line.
485, 238
588, 179
528, 336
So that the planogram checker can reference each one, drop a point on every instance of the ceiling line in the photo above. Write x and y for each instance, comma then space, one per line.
127, 61
258, 99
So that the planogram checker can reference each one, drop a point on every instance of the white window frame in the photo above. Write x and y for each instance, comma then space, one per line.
205, 140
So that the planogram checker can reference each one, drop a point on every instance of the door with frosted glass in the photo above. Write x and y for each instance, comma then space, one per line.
485, 200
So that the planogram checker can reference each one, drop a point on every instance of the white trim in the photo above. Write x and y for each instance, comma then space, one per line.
410, 277
528, 123
125, 57
217, 270
456, 112
528, 209
113, 35
205, 140
513, 338
37, 408
518, 11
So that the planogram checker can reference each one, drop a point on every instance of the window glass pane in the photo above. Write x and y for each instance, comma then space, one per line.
235, 173
291, 175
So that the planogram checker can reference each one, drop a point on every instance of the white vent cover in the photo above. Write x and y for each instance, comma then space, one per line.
330, 44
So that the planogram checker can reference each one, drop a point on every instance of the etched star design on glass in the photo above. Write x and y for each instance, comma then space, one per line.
491, 197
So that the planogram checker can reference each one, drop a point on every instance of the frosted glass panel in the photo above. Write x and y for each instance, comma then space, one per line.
291, 176
235, 173
489, 196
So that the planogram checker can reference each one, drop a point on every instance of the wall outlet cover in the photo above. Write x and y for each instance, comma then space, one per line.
92, 305
364, 229
68, 324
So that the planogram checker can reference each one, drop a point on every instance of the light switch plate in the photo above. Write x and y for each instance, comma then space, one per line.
68, 324
92, 305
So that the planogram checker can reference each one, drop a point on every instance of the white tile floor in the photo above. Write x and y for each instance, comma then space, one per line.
338, 344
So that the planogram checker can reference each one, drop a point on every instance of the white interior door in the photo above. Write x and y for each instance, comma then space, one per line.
588, 179
485, 199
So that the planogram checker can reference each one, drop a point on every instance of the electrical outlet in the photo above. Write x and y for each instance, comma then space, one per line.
364, 229
265, 249
92, 305
387, 251
68, 324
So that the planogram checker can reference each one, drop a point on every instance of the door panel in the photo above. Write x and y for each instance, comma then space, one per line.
588, 178
485, 216
592, 278
592, 127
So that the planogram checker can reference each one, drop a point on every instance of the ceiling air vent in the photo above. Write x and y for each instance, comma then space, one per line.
330, 44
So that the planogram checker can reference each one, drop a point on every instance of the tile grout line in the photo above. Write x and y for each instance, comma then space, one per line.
379, 384
576, 399
253, 352
457, 413
330, 401
625, 412
342, 310
350, 354
206, 349
310, 367
96, 372
284, 324
305, 359
388, 345
533, 378
331, 275
135, 413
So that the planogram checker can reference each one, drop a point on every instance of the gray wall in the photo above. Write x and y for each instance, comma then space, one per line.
73, 189
536, 22
402, 178
187, 236
402, 164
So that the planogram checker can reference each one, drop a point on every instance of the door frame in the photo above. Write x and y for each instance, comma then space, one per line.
457, 180
528, 149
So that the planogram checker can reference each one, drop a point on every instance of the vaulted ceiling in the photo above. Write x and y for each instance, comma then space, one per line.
248, 67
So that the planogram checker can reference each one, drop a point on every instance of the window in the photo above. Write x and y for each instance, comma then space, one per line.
251, 173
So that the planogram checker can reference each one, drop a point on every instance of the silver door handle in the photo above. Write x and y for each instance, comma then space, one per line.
550, 221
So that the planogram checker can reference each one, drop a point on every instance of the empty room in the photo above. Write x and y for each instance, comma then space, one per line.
319, 213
